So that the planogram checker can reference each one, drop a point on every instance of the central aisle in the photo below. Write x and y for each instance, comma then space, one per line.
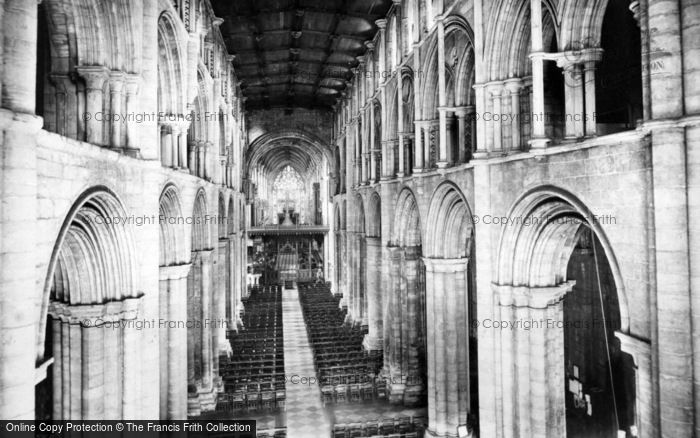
306, 417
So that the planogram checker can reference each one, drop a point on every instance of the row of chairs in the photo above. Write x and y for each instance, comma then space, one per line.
346, 372
254, 374
401, 427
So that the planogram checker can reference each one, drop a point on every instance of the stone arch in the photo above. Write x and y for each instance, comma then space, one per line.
172, 81
407, 223
172, 227
555, 247
536, 251
374, 216
91, 282
201, 239
91, 253
449, 225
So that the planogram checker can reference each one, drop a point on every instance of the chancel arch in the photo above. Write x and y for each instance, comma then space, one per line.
90, 285
557, 265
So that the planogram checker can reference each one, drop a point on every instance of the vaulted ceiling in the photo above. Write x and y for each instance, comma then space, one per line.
296, 53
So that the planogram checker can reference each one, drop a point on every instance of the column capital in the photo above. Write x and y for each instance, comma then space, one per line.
370, 46
94, 75
514, 85
532, 297
634, 346
116, 81
133, 82
495, 88
435, 265
381, 23
95, 315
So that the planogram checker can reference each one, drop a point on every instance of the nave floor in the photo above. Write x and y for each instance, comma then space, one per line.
304, 415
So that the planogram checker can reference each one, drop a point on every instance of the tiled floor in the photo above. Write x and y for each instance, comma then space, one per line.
306, 417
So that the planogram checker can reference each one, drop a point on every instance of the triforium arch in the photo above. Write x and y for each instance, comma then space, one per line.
556, 267
403, 299
174, 267
200, 351
91, 285
451, 310
451, 109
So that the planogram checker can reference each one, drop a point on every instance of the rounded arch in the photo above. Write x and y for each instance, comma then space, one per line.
171, 69
201, 240
581, 24
374, 216
536, 250
93, 258
407, 223
172, 227
450, 225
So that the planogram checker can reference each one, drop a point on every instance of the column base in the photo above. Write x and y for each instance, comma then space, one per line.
443, 164
538, 143
372, 343
433, 434
207, 399
194, 407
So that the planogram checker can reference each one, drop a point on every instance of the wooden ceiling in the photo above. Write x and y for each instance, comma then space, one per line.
297, 53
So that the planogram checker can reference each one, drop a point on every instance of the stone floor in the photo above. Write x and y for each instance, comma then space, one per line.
305, 416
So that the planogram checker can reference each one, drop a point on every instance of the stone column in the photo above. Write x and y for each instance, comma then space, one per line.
95, 77
446, 292
513, 87
461, 133
206, 390
418, 153
387, 311
495, 89
444, 154
427, 143
589, 92
373, 339
395, 386
181, 146
132, 88
412, 379
200, 158
538, 388
116, 89
372, 143
18, 191
221, 344
573, 98
166, 141
131, 350
539, 139
381, 25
